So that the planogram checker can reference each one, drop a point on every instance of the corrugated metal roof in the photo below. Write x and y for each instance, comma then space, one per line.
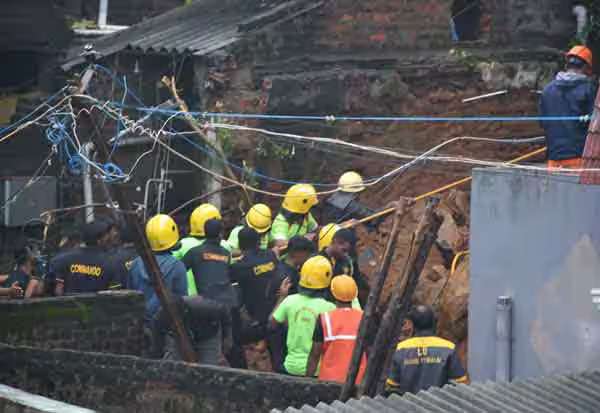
578, 392
200, 28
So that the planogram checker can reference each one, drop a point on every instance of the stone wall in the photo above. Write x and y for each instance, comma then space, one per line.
539, 23
17, 401
124, 384
109, 322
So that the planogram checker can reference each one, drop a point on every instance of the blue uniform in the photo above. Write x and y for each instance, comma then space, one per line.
570, 94
175, 280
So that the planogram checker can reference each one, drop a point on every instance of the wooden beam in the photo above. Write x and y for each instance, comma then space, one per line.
424, 238
372, 301
216, 145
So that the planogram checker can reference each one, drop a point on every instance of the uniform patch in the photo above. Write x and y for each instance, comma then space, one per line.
263, 268
90, 270
208, 256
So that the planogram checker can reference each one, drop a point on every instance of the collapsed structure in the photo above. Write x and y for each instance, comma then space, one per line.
330, 58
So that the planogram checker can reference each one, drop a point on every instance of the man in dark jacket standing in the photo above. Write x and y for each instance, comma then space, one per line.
571, 93
210, 265
259, 279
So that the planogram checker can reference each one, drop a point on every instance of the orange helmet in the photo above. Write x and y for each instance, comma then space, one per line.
583, 53
344, 288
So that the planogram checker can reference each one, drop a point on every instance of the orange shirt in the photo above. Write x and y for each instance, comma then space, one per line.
340, 330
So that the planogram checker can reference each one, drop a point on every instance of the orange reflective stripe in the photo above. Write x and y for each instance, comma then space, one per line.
573, 163
340, 329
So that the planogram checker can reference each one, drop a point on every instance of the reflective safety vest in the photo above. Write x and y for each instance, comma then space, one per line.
340, 329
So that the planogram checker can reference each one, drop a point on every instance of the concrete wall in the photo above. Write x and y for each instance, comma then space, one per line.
535, 238
17, 401
125, 384
109, 322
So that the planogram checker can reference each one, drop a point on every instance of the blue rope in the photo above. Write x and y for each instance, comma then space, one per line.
120, 82
30, 114
332, 118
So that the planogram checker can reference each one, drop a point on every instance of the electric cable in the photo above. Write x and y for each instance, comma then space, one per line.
361, 118
37, 175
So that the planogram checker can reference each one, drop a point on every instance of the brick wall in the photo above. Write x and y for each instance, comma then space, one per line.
350, 26
387, 24
110, 322
124, 384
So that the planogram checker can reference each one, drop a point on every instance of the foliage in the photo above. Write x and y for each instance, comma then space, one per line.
592, 30
466, 58
248, 176
268, 149
225, 138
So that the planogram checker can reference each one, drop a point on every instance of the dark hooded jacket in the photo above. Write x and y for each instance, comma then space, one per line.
569, 94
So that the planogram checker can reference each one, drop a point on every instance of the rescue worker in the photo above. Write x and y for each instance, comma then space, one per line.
68, 242
124, 253
299, 250
336, 244
210, 266
326, 236
259, 280
343, 205
424, 360
163, 236
335, 335
571, 93
198, 218
204, 319
21, 282
300, 312
295, 217
258, 218
90, 268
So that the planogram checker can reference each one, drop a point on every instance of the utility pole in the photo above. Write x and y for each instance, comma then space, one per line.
141, 243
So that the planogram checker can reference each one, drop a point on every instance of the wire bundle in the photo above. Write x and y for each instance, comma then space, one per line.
61, 123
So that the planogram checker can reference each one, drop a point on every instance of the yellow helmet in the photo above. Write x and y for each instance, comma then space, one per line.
259, 218
300, 198
199, 217
344, 288
326, 235
316, 273
162, 232
351, 182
